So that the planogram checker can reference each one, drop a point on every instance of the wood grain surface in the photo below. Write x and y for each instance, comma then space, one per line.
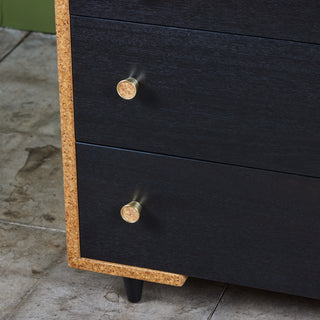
236, 225
295, 20
232, 99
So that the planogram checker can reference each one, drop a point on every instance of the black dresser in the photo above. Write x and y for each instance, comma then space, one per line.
200, 122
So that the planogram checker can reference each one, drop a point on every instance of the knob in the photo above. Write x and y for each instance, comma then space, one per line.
127, 88
131, 212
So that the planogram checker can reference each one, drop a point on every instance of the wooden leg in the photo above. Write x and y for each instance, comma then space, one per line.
133, 289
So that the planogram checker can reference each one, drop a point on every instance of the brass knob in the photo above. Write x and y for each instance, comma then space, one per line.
131, 212
127, 88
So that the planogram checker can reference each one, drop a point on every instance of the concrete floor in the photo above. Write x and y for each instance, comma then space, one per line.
36, 282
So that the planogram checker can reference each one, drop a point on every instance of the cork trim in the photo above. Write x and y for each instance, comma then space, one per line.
67, 127
70, 171
129, 271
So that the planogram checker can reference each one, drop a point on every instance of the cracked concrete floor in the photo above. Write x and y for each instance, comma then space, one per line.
36, 282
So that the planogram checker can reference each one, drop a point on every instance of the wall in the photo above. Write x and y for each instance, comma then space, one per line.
35, 15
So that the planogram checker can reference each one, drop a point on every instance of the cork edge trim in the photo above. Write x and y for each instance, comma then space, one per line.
122, 270
70, 171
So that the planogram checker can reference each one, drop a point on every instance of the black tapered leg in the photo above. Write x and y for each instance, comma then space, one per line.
133, 289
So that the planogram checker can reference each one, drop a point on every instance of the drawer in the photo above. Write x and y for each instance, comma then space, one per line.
298, 20
224, 98
220, 222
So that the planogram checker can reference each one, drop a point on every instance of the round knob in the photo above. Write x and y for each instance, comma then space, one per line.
127, 88
131, 212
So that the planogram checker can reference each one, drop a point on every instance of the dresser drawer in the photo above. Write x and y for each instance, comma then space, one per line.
209, 96
218, 222
276, 19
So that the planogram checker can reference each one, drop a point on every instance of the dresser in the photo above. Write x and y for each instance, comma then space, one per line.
191, 141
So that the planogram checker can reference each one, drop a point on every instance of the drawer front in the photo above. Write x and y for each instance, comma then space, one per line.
244, 226
224, 98
298, 20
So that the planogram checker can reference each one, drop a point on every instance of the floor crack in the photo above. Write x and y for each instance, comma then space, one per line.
218, 302
25, 225
23, 299
15, 46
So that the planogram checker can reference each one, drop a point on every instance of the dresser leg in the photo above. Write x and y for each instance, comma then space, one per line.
133, 289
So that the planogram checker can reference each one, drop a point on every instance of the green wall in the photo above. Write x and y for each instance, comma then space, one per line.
34, 15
